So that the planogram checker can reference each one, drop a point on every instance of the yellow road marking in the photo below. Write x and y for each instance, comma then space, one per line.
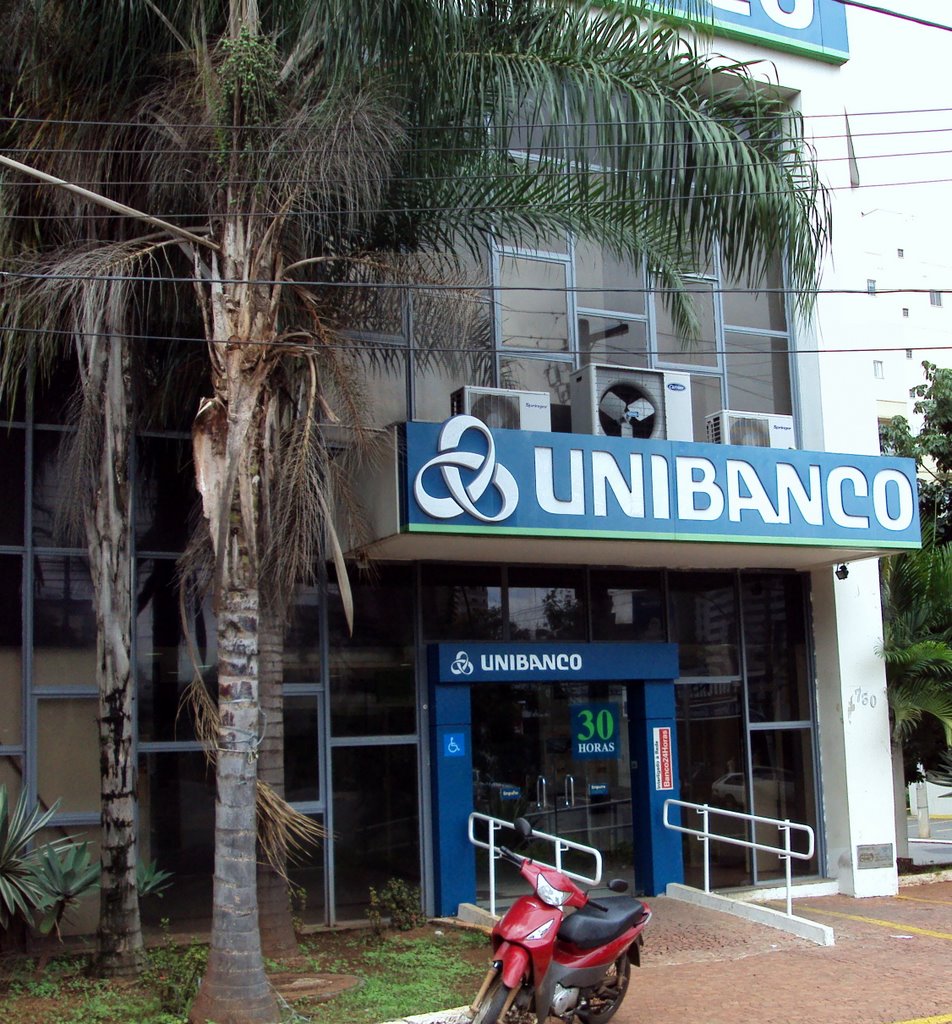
945, 1018
894, 925
919, 899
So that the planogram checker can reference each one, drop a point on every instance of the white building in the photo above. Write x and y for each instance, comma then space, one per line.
608, 620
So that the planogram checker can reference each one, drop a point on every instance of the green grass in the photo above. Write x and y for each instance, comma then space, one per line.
407, 977
401, 975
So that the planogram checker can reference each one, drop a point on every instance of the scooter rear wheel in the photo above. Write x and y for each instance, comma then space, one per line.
603, 999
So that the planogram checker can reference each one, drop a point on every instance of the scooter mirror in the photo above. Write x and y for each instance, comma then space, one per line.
522, 827
618, 885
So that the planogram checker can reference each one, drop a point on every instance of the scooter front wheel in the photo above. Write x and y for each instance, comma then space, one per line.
493, 1002
603, 999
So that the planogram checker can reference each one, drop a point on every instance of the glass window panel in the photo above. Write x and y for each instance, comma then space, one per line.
11, 660
166, 495
12, 464
746, 307
307, 878
48, 483
627, 607
67, 753
783, 788
302, 643
706, 399
461, 603
612, 340
52, 399
376, 822
164, 666
453, 347
674, 349
177, 811
712, 759
546, 604
758, 373
64, 622
533, 304
604, 282
703, 621
372, 675
301, 761
385, 381
11, 775
550, 375
776, 648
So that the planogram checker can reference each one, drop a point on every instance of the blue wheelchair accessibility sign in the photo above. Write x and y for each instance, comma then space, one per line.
454, 744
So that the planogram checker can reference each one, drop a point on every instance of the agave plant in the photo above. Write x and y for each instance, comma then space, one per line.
45, 881
63, 874
20, 889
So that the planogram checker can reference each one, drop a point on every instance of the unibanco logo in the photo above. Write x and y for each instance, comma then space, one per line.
450, 461
461, 665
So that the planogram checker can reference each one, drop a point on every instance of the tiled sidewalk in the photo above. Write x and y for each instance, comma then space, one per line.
892, 962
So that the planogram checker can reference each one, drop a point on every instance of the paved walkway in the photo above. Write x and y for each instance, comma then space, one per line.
892, 963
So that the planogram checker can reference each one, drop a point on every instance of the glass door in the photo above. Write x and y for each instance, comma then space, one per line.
557, 754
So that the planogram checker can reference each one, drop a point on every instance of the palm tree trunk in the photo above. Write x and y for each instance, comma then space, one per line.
110, 558
274, 905
235, 988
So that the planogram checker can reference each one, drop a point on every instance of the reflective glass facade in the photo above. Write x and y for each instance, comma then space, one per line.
354, 712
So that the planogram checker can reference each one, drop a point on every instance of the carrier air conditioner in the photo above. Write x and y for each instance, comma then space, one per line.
622, 401
764, 430
504, 408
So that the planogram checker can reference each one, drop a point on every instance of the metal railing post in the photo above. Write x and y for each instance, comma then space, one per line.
706, 843
705, 836
785, 828
492, 867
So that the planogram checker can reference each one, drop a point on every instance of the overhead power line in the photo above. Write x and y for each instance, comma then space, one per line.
695, 284
895, 14
360, 343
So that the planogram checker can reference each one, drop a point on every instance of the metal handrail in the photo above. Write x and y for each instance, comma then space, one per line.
705, 835
560, 846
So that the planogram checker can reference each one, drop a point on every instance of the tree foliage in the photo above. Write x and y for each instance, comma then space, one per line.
305, 158
931, 447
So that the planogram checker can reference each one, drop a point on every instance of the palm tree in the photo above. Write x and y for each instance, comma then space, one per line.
916, 591
310, 148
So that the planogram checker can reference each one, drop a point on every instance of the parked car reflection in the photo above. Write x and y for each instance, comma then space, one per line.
773, 788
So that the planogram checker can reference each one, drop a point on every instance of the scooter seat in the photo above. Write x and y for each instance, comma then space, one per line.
588, 927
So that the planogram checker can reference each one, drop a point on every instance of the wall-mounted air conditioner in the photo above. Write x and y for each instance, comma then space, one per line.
503, 408
621, 401
764, 430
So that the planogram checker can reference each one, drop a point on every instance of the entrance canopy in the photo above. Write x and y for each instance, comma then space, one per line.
464, 492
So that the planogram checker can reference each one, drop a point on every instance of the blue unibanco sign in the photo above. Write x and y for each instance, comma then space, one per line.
463, 477
812, 27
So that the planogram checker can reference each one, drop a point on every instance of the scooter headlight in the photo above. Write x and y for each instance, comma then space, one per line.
549, 894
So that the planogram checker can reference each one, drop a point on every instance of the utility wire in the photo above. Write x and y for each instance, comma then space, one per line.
696, 283
895, 14
359, 343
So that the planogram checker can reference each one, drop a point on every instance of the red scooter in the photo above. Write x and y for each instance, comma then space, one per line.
557, 964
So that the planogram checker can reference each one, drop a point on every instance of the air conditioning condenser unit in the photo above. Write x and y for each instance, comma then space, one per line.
504, 408
760, 429
623, 401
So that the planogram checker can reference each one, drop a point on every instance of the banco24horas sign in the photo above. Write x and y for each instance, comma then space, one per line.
463, 477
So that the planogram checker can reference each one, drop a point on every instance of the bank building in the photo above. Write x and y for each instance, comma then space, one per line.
602, 569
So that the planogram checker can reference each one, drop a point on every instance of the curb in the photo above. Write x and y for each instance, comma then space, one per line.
821, 934
458, 1015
